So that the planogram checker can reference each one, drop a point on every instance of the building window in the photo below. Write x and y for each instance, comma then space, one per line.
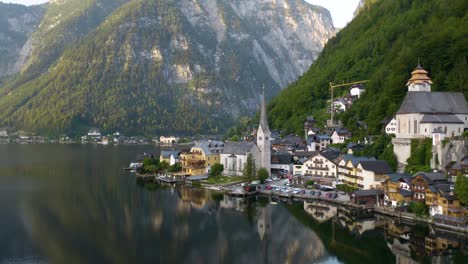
259, 138
415, 130
409, 126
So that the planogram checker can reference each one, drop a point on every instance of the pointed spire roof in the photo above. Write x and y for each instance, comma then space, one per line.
263, 114
419, 75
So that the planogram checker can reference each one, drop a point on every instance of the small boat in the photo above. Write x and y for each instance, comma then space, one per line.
134, 165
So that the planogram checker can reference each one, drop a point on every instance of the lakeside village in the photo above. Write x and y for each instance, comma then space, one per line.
312, 169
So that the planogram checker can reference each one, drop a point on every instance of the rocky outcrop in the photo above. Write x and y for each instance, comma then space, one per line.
17, 24
159, 65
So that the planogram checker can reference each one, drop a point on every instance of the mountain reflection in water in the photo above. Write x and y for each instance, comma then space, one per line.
74, 204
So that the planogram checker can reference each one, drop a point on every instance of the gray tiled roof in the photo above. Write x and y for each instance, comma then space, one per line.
237, 148
368, 192
167, 153
432, 177
397, 176
377, 166
282, 158
210, 147
444, 119
355, 160
434, 102
405, 193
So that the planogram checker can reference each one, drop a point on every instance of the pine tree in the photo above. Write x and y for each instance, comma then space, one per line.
249, 168
461, 188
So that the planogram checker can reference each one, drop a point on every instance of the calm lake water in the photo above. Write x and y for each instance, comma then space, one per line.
75, 204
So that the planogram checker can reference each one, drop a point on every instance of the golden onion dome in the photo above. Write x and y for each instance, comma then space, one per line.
419, 76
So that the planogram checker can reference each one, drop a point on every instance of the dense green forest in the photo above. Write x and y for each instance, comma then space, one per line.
382, 45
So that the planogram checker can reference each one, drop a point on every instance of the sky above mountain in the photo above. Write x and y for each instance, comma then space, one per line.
341, 10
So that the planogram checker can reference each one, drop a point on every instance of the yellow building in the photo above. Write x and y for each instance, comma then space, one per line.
441, 202
397, 188
201, 157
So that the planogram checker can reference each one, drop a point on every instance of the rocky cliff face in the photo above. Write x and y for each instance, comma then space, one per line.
159, 65
17, 24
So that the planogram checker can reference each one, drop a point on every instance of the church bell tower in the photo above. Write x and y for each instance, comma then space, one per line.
419, 81
263, 138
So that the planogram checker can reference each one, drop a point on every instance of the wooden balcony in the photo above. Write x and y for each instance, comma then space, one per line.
318, 168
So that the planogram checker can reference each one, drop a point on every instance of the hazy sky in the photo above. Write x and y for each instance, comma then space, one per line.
341, 10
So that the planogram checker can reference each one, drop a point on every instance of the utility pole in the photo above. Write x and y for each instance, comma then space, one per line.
332, 87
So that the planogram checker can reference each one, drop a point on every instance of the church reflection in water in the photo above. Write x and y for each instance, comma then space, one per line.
183, 224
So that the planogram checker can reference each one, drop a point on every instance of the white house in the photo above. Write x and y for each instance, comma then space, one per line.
356, 90
94, 132
318, 142
339, 136
170, 156
340, 105
282, 164
391, 127
319, 165
371, 173
168, 140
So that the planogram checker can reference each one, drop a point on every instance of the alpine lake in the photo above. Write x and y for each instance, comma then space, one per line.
75, 204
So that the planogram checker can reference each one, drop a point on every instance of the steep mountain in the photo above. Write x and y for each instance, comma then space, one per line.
154, 66
382, 44
64, 22
17, 24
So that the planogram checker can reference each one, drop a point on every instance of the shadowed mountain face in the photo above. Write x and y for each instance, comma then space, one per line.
151, 66
17, 24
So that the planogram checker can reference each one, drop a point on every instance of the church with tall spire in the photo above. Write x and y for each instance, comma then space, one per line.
234, 155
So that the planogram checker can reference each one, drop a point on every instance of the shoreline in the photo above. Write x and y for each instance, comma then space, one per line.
357, 209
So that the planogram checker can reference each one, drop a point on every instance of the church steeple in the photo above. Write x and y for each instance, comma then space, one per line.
419, 81
263, 138
263, 115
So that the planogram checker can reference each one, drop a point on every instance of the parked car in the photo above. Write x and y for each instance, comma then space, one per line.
334, 195
312, 192
268, 180
318, 193
302, 192
268, 188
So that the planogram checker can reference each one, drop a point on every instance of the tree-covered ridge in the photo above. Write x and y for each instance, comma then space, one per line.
383, 45
158, 66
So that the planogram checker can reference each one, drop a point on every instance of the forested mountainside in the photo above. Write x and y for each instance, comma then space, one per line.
158, 66
382, 44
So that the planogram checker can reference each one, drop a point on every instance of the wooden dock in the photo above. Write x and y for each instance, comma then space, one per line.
159, 178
